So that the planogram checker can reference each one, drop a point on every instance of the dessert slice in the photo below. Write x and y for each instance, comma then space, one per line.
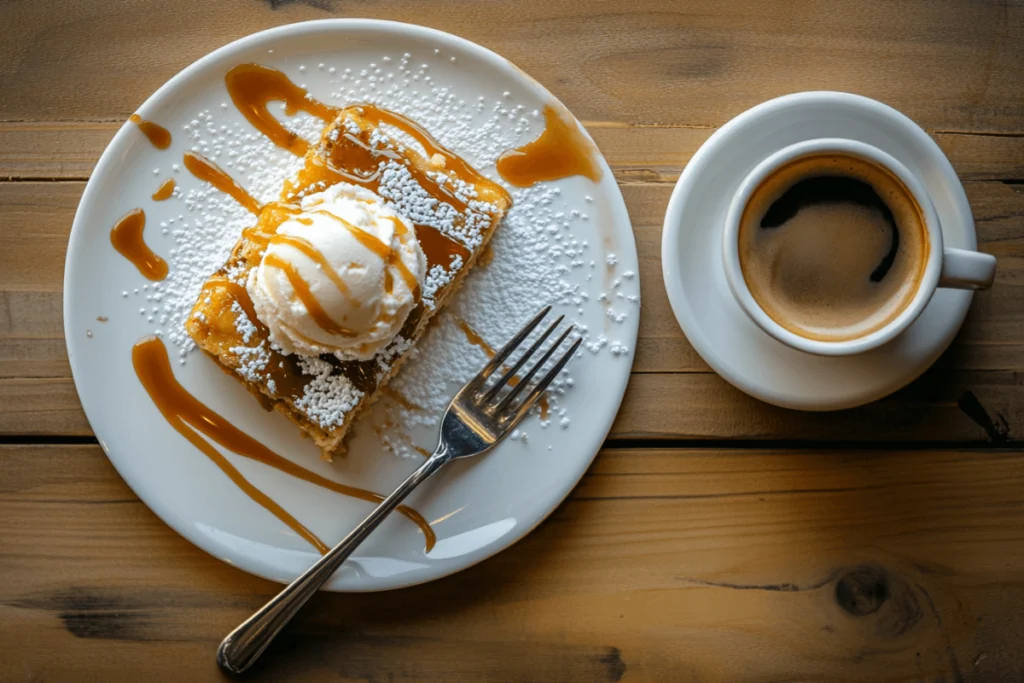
320, 301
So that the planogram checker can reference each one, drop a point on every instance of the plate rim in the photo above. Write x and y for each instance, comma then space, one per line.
108, 158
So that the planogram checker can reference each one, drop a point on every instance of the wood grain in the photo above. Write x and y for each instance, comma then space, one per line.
682, 564
673, 393
950, 65
59, 150
662, 565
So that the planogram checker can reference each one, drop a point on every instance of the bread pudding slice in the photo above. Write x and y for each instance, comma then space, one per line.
454, 211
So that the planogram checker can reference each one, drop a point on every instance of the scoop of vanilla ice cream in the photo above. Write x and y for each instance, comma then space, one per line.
340, 277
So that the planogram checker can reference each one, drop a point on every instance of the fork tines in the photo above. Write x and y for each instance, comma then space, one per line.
505, 409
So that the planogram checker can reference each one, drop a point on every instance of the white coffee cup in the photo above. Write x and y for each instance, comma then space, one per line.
944, 267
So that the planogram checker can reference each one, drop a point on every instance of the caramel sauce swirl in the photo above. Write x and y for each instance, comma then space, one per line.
562, 150
126, 236
164, 191
252, 87
207, 171
190, 417
159, 136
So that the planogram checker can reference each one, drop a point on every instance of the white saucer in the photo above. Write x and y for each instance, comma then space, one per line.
692, 267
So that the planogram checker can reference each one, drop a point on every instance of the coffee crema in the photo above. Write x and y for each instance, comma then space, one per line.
832, 247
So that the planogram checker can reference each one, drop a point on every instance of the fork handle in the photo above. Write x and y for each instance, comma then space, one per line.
245, 644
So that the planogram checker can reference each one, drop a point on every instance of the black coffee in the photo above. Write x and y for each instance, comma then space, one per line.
832, 247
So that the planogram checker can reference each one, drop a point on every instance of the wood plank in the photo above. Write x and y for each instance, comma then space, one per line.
950, 65
662, 565
36, 220
38, 397
60, 150
941, 406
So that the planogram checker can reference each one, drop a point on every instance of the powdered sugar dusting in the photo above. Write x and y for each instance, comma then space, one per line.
205, 233
328, 397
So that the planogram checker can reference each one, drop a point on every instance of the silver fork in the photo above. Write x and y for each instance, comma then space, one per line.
477, 418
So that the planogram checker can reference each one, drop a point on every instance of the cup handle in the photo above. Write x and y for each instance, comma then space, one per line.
967, 269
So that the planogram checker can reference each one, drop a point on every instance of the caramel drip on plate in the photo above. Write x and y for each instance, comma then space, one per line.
474, 338
316, 256
399, 398
306, 296
127, 238
187, 415
451, 161
159, 136
562, 150
206, 170
164, 191
252, 87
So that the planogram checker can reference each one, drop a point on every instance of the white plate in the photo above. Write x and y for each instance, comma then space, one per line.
728, 340
478, 507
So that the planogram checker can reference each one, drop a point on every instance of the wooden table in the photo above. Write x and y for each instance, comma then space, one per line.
715, 537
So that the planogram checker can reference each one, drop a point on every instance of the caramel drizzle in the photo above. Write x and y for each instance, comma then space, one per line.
395, 260
452, 162
207, 171
378, 247
126, 236
187, 415
252, 87
439, 248
371, 242
241, 295
164, 191
562, 150
474, 338
306, 296
314, 255
159, 136
371, 181
288, 378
